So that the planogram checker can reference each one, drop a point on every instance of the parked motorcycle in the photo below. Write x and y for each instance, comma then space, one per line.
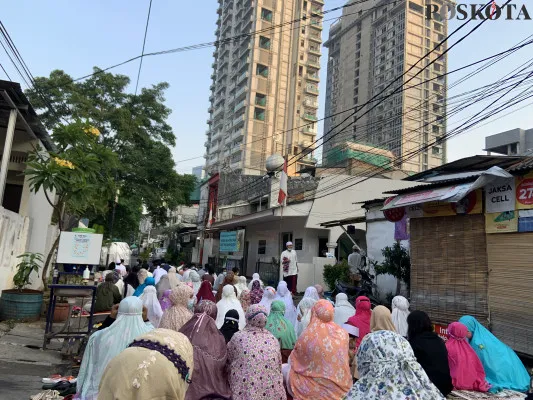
366, 288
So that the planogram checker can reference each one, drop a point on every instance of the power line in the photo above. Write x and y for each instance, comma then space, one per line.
144, 44
5, 72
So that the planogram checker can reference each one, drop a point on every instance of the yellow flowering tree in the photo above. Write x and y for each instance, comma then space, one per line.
77, 178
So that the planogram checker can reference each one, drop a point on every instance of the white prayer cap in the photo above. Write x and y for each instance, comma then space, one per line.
288, 244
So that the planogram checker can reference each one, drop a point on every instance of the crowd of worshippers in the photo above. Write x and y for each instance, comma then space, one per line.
187, 334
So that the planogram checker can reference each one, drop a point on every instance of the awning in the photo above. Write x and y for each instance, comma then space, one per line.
451, 194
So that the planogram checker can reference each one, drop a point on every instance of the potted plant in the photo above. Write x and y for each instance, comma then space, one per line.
61, 310
21, 303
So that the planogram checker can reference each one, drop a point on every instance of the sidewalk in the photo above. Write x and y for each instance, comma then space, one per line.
23, 363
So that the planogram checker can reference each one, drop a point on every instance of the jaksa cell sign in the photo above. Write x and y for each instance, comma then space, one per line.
500, 195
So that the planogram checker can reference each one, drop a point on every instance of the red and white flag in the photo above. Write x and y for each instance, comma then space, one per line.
493, 9
282, 196
210, 218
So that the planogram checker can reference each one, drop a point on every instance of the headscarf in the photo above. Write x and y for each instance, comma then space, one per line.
430, 351
132, 279
361, 319
149, 281
312, 293
381, 320
165, 300
196, 282
219, 280
388, 370
241, 285
205, 292
304, 312
158, 273
400, 312
105, 344
186, 277
256, 293
343, 309
228, 280
149, 299
231, 324
268, 297
210, 354
245, 299
319, 290
142, 275
146, 373
162, 286
173, 278
254, 360
319, 362
503, 367
280, 326
177, 315
285, 296
465, 367
255, 277
229, 302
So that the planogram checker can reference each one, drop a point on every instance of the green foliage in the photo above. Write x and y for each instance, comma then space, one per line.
132, 127
339, 271
397, 263
31, 262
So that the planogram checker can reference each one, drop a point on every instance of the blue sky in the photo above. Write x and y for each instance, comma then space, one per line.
77, 35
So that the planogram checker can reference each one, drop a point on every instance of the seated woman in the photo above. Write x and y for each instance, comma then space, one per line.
503, 367
105, 344
254, 360
157, 365
465, 367
229, 302
269, 296
400, 312
256, 294
281, 328
343, 309
210, 354
283, 293
318, 366
430, 351
147, 281
381, 320
231, 325
388, 370
177, 315
107, 295
149, 299
303, 310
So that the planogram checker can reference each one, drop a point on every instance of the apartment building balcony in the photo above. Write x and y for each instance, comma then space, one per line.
311, 103
315, 50
235, 164
312, 89
245, 50
240, 92
237, 134
242, 77
318, 2
219, 10
239, 106
316, 23
210, 109
248, 11
310, 117
218, 111
238, 121
316, 11
315, 37
214, 148
226, 28
212, 87
235, 149
209, 121
315, 63
205, 156
308, 130
313, 77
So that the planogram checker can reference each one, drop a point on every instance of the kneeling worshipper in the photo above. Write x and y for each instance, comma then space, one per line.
281, 328
465, 367
343, 309
157, 365
256, 294
231, 325
400, 312
503, 368
107, 294
256, 277
269, 296
361, 321
241, 285
430, 351
149, 299
245, 300
210, 354
177, 315
229, 302
254, 360
148, 281
318, 366
205, 292
173, 277
381, 320
388, 370
162, 286
105, 344
283, 294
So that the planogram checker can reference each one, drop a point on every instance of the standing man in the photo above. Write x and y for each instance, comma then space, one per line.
355, 262
289, 267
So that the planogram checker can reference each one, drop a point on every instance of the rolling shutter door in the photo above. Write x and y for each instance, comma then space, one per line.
511, 289
449, 267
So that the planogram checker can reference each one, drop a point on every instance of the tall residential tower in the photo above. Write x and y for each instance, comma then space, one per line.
264, 95
374, 43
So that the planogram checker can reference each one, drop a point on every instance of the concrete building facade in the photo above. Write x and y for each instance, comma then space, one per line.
515, 142
264, 94
374, 50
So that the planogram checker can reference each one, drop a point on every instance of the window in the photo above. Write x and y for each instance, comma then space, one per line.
435, 129
264, 42
261, 247
435, 150
300, 70
266, 15
259, 114
298, 244
415, 7
260, 99
262, 70
302, 43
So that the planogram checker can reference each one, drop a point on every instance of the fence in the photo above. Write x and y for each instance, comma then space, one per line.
269, 272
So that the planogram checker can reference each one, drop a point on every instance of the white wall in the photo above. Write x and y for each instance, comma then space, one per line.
13, 240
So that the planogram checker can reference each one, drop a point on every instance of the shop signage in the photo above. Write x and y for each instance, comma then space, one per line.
393, 214
441, 330
500, 195
504, 222
524, 192
471, 204
231, 241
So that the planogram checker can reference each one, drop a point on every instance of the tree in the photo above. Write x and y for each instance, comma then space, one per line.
76, 178
397, 263
132, 127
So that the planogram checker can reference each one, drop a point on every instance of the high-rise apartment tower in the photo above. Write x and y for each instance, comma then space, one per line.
264, 95
374, 43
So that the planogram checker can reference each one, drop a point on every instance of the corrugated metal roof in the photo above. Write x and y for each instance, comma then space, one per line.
525, 164
435, 185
